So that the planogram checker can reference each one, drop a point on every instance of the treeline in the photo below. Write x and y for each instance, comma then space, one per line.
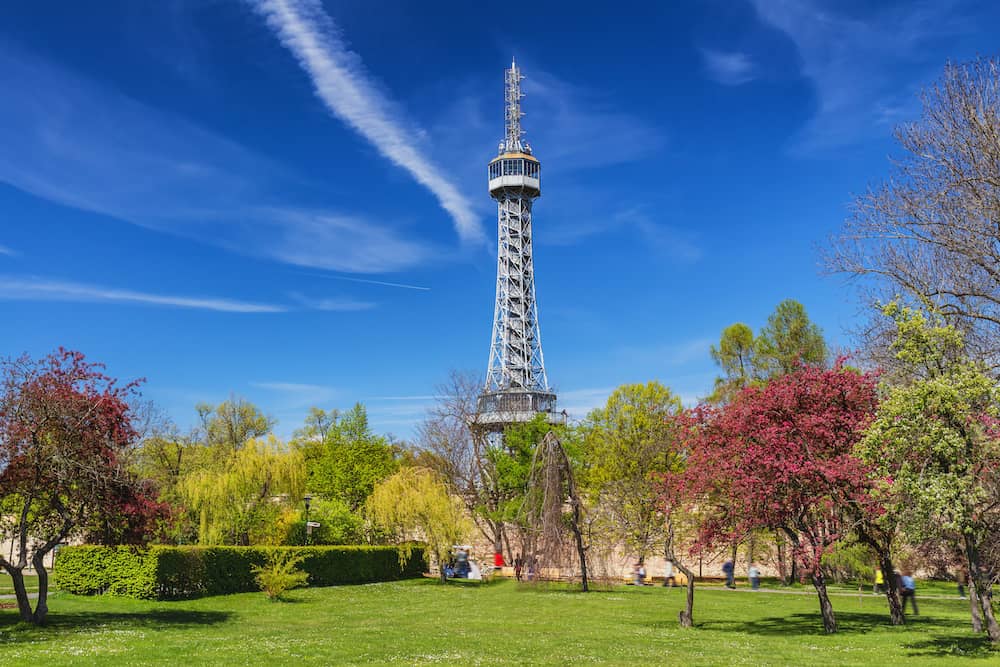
232, 481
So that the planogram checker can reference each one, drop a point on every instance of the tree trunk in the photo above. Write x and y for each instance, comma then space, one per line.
983, 589
779, 540
580, 551
42, 604
974, 608
896, 616
23, 602
829, 620
686, 616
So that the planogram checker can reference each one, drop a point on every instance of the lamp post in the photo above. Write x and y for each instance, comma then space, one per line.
307, 499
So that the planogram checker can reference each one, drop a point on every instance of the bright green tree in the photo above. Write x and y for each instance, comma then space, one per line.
241, 500
735, 356
625, 445
414, 504
229, 425
935, 443
788, 339
351, 459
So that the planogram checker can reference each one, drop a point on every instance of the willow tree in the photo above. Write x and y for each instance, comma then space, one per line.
551, 508
241, 497
414, 505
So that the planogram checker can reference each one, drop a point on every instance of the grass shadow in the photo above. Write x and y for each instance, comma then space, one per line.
12, 630
951, 646
848, 622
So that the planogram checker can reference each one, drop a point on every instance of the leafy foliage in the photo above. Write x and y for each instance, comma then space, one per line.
625, 445
344, 458
178, 572
280, 574
64, 428
781, 457
235, 498
935, 445
414, 504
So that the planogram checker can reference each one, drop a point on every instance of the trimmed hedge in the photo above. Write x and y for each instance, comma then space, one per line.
164, 572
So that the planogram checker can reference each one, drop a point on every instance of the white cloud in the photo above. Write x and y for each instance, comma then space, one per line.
36, 289
10, 252
331, 304
80, 144
730, 68
862, 68
338, 242
345, 87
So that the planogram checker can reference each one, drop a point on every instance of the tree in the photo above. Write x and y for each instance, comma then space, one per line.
735, 356
414, 504
350, 460
462, 457
550, 487
936, 443
625, 444
240, 500
929, 232
780, 457
231, 424
788, 340
64, 427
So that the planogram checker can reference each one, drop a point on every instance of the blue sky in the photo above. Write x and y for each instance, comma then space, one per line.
286, 200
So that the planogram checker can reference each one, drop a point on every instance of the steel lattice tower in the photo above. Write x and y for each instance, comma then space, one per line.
516, 385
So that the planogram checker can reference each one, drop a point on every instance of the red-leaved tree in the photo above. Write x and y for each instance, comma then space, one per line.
64, 426
780, 457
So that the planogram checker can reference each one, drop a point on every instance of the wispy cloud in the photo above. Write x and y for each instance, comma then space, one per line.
297, 395
348, 91
66, 139
331, 304
655, 235
865, 70
578, 127
730, 68
9, 252
37, 289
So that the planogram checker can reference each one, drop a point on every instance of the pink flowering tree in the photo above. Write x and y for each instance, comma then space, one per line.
64, 427
780, 457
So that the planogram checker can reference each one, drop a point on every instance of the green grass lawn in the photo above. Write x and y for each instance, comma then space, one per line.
423, 622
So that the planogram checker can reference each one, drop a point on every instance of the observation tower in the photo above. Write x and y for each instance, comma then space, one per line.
516, 388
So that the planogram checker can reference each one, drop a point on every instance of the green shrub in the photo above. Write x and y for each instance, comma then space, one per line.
178, 572
280, 574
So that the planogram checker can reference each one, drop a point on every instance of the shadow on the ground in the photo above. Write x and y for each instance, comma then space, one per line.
952, 646
848, 622
12, 630
940, 637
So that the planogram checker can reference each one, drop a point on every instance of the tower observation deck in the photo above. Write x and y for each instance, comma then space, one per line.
516, 388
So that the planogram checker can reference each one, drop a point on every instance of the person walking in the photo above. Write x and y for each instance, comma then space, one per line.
518, 567
879, 581
909, 588
754, 574
729, 570
669, 579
